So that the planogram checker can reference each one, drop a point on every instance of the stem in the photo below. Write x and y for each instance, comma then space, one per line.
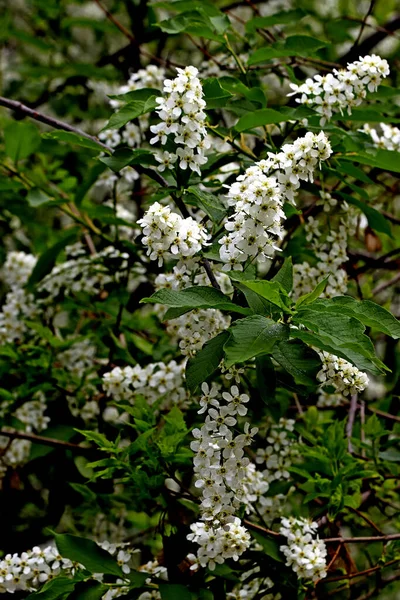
40, 439
56, 123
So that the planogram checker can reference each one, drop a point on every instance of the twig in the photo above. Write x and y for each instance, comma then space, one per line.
350, 422
40, 439
364, 539
364, 21
115, 21
360, 573
383, 286
260, 528
210, 274
38, 116
381, 413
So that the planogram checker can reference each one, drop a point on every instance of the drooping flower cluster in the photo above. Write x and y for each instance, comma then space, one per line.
330, 251
341, 374
83, 273
19, 305
153, 382
15, 452
257, 198
277, 457
17, 268
168, 235
78, 358
219, 467
344, 89
305, 553
182, 115
193, 329
389, 138
29, 570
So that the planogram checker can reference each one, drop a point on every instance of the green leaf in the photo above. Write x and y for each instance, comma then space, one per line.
48, 259
214, 95
88, 553
36, 197
74, 138
130, 111
375, 219
387, 160
269, 544
285, 275
284, 17
258, 118
266, 379
367, 312
173, 591
206, 361
295, 45
123, 157
53, 589
194, 297
208, 202
252, 336
140, 95
299, 360
21, 140
88, 590
270, 290
338, 334
312, 296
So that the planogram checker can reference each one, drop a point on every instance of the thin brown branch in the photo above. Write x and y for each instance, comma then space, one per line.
262, 529
350, 422
383, 414
56, 123
210, 274
385, 284
363, 540
45, 441
367, 572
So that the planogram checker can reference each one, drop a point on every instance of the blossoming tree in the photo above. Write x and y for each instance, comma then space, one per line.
198, 323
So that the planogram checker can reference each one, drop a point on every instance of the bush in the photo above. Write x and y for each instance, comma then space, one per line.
199, 216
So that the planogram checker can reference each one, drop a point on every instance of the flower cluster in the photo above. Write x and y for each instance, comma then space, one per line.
388, 140
251, 587
167, 234
330, 251
341, 374
304, 553
78, 358
278, 455
344, 89
17, 268
82, 273
182, 115
150, 77
257, 198
15, 452
154, 381
219, 467
193, 329
18, 306
31, 569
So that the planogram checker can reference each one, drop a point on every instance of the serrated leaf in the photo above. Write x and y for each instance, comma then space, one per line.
53, 589
280, 18
314, 295
194, 297
285, 275
210, 203
21, 140
259, 118
206, 361
272, 291
88, 553
299, 360
88, 590
252, 336
70, 137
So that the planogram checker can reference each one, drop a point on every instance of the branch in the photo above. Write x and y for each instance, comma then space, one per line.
350, 422
40, 439
360, 573
370, 42
56, 123
363, 540
382, 286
